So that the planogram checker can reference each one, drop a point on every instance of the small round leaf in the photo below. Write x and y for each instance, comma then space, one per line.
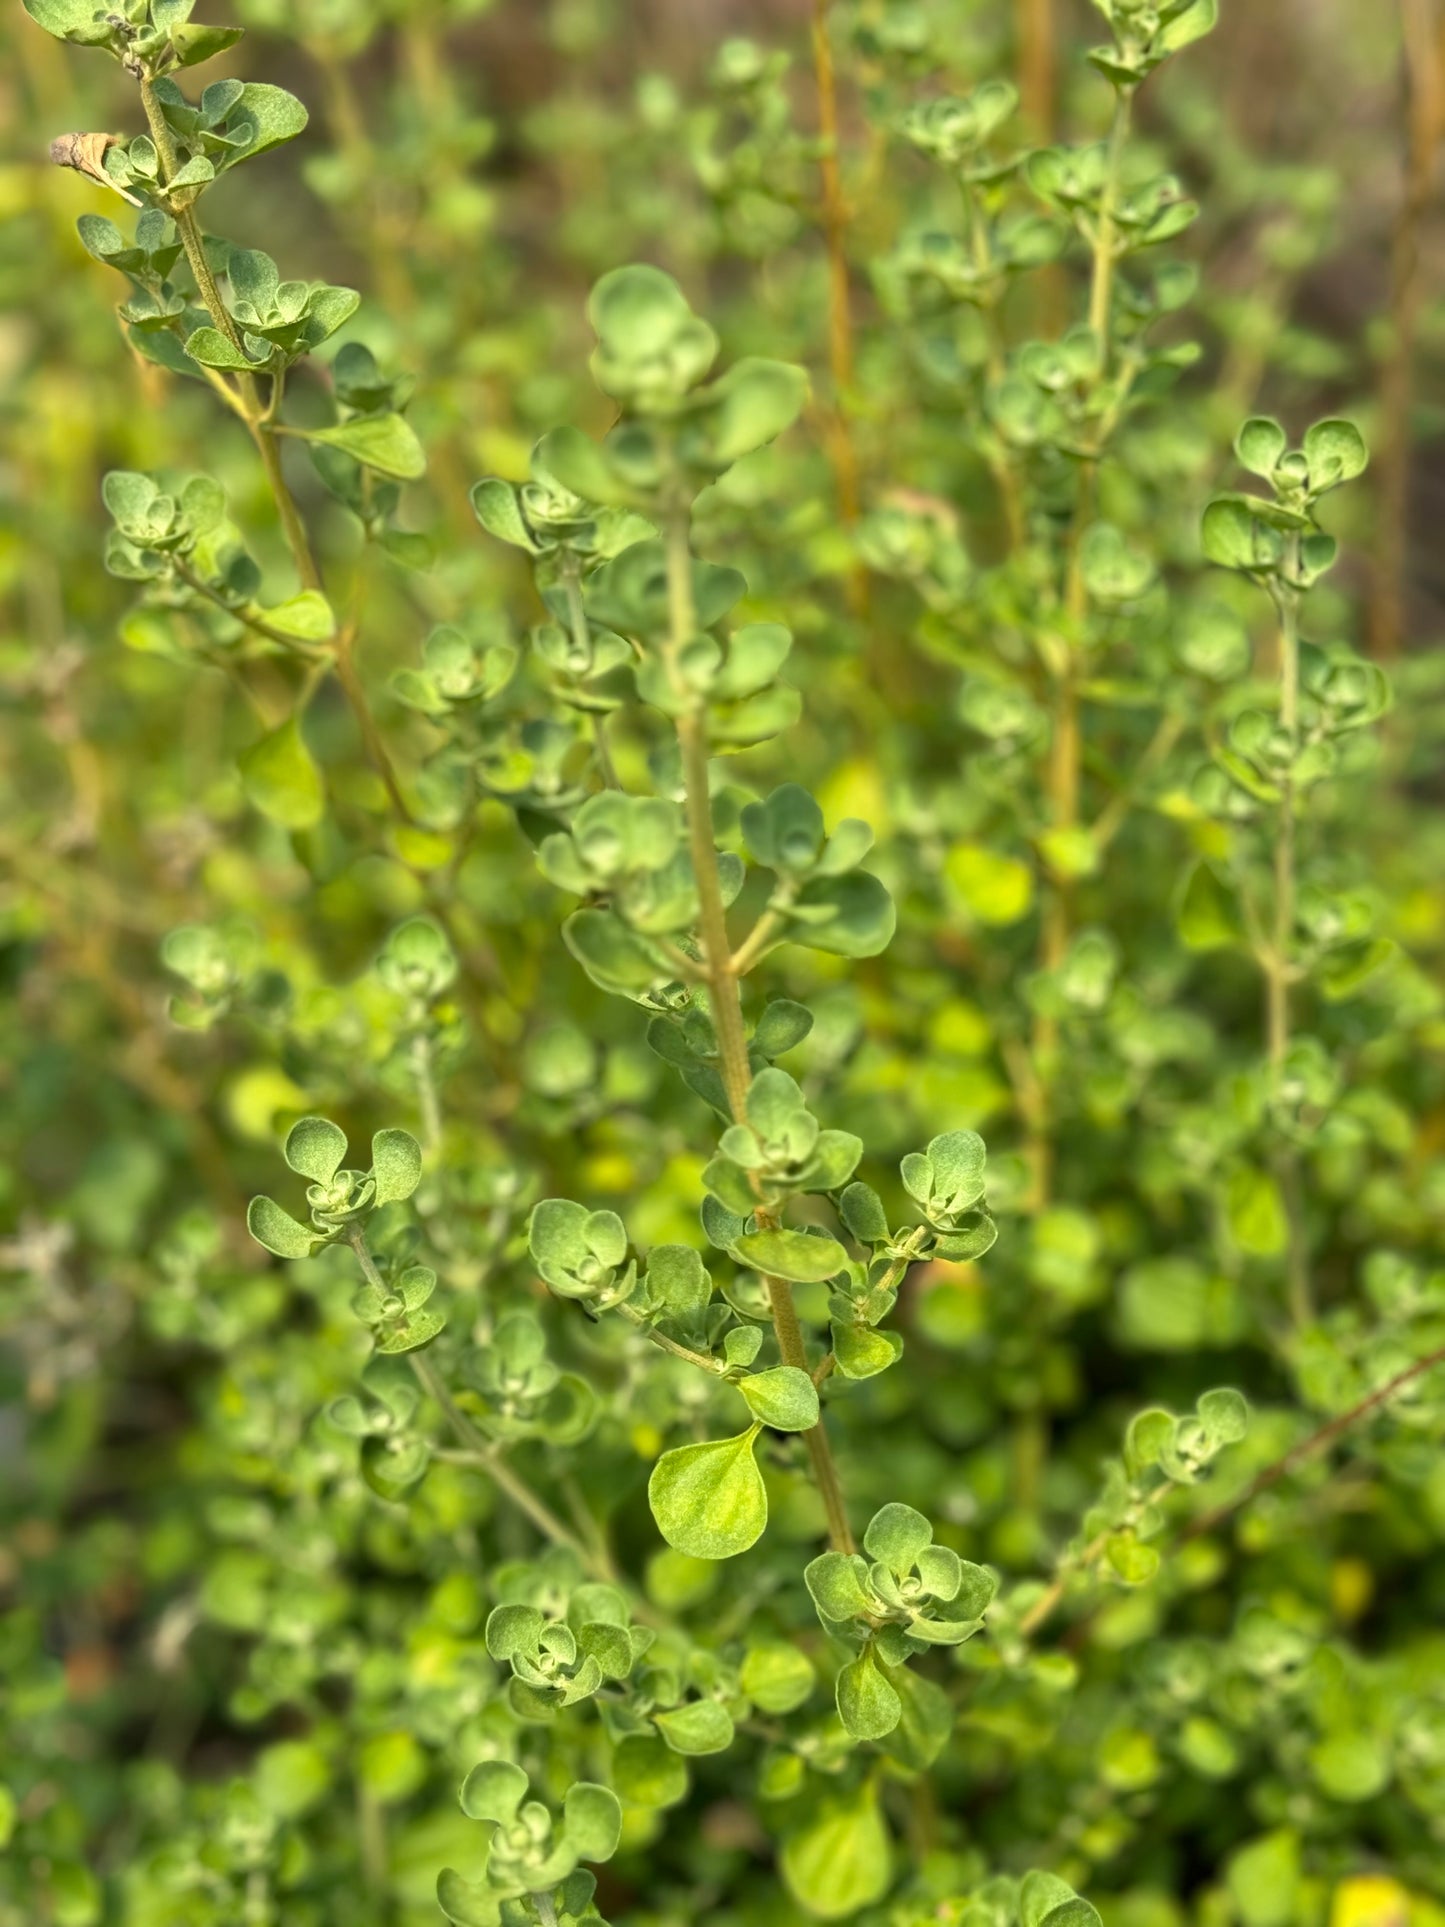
709, 1500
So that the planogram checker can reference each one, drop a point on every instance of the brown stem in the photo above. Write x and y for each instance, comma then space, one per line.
1424, 59
366, 722
309, 652
264, 431
1066, 740
724, 997
1316, 1442
257, 418
842, 453
1037, 67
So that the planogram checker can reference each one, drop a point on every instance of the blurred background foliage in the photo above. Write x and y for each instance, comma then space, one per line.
180, 1542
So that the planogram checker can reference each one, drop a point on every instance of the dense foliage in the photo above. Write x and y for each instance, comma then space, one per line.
722, 1157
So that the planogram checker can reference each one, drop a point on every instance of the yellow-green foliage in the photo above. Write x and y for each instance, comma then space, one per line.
662, 750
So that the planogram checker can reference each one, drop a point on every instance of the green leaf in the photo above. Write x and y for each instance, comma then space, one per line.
512, 1630
314, 1148
838, 1859
1265, 1878
576, 461
79, 20
211, 348
703, 1726
307, 616
1336, 452
1208, 916
386, 443
493, 1791
996, 889
1044, 1897
847, 916
784, 1398
896, 1535
281, 779
648, 1773
196, 173
639, 307
752, 404
1224, 1415
195, 43
1255, 1213
591, 1820
466, 1903
614, 957
1150, 1436
291, 1777
835, 1580
418, 1329
499, 511
278, 1231
1350, 1765
861, 1210
267, 115
776, 1676
782, 1026
396, 1165
861, 1353
795, 1255
1234, 537
925, 1725
678, 1279
1182, 31
391, 1766
1259, 445
709, 1500
867, 1704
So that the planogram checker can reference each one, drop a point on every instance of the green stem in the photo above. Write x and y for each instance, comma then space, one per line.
1066, 738
428, 1103
724, 999
257, 417
1086, 1558
684, 1352
371, 1837
1279, 962
486, 1452
759, 937
1101, 293
309, 652
582, 640
264, 432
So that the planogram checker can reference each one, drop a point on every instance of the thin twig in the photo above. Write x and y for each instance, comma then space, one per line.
1316, 1442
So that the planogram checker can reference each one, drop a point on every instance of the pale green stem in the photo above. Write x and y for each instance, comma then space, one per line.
581, 637
423, 1071
487, 1453
1101, 295
661, 1339
1066, 740
1086, 1558
371, 1832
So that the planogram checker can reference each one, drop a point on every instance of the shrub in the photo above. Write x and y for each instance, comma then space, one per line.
829, 1036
